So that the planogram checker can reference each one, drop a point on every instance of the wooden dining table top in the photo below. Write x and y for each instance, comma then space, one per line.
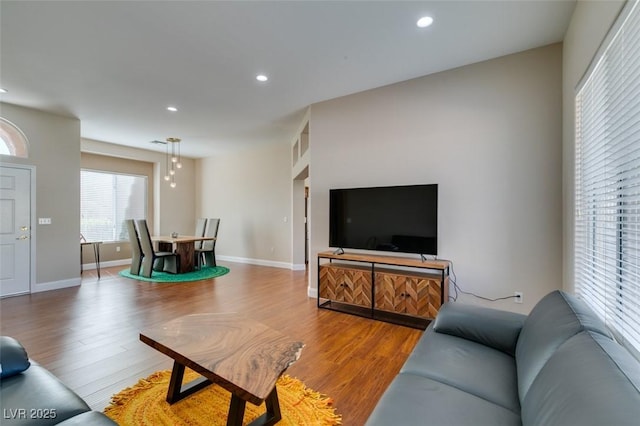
180, 239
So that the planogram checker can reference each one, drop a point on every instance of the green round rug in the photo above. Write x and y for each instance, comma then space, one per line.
164, 277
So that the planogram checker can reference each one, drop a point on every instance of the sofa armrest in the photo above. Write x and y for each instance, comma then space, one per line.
13, 357
490, 327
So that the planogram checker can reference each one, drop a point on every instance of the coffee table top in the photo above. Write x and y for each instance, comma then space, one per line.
240, 354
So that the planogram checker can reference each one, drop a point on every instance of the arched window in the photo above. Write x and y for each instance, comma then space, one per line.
13, 142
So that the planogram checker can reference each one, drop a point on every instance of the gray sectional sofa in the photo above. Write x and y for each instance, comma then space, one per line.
31, 395
477, 366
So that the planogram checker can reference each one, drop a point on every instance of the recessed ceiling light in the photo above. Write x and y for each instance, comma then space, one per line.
3, 90
172, 108
425, 21
262, 78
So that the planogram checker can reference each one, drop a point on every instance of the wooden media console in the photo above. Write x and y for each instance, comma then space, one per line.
401, 290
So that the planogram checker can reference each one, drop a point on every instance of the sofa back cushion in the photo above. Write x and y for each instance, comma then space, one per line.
555, 319
589, 380
489, 327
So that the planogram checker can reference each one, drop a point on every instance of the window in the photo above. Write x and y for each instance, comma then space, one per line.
106, 200
607, 181
12, 141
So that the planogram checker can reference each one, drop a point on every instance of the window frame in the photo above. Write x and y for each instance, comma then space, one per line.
604, 235
114, 174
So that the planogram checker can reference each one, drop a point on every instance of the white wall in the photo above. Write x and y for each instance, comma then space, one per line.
54, 148
250, 191
490, 134
589, 25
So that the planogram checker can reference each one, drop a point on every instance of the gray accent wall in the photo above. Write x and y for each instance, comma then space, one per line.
490, 135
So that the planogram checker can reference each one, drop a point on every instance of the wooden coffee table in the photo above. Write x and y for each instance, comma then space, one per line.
243, 356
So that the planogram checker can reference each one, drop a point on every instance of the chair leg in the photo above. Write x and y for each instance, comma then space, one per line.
158, 264
136, 261
170, 264
210, 258
147, 266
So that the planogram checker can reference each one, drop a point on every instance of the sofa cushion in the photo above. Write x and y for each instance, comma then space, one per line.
13, 357
556, 317
491, 327
485, 372
30, 397
589, 380
417, 400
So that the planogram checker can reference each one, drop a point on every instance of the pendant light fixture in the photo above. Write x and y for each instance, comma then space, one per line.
172, 160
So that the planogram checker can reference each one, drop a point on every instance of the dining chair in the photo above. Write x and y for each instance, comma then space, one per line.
169, 259
136, 249
207, 253
201, 225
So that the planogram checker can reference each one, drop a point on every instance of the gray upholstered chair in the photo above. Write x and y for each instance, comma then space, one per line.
208, 250
169, 259
136, 250
201, 225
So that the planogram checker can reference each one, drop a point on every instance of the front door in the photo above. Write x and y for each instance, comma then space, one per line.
15, 231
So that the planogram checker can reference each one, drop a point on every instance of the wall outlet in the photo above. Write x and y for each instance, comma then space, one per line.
518, 297
118, 248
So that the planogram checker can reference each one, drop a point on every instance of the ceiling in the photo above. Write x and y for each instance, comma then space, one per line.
117, 65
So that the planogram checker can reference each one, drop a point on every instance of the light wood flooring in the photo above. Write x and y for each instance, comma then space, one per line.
88, 336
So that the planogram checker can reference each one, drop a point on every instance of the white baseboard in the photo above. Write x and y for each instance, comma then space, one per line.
260, 262
312, 292
120, 262
298, 267
55, 285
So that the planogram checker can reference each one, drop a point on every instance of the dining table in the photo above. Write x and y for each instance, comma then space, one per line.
183, 246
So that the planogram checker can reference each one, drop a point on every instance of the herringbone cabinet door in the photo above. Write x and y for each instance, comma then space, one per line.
358, 287
407, 295
391, 294
347, 285
331, 279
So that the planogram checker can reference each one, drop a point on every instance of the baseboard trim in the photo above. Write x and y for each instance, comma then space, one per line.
119, 262
259, 262
55, 285
312, 292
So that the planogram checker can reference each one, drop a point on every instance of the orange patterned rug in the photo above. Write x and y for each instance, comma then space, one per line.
144, 404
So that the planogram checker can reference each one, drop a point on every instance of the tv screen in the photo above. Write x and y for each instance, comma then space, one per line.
393, 218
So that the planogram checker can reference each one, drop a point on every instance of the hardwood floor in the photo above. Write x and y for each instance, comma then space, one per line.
88, 336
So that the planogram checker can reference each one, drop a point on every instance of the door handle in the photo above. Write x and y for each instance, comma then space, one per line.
23, 237
24, 228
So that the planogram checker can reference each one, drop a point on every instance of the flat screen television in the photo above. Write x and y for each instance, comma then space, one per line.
401, 219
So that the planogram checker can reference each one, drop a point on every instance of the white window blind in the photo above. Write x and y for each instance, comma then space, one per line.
106, 200
607, 181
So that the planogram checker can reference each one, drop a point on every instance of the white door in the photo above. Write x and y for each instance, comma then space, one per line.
15, 231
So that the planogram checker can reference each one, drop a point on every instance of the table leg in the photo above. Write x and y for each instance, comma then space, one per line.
96, 253
177, 391
236, 411
186, 253
272, 415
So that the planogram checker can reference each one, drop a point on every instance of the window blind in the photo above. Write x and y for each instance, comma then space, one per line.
607, 181
106, 200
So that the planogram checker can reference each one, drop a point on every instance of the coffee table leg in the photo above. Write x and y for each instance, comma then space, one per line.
273, 407
236, 411
271, 417
176, 391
